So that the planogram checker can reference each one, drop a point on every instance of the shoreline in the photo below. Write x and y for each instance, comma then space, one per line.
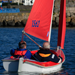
52, 27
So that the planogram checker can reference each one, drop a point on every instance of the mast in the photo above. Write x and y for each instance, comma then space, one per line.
62, 24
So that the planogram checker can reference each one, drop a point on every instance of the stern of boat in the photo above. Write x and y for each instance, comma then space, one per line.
10, 65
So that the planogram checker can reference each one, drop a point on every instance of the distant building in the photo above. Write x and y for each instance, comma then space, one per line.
28, 2
25, 2
16, 1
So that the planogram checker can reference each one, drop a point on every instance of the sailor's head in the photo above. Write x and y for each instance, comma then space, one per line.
22, 44
46, 45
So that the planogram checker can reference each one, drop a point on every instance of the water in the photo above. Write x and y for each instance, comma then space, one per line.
9, 38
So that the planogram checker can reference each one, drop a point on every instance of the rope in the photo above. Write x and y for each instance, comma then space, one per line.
35, 58
22, 37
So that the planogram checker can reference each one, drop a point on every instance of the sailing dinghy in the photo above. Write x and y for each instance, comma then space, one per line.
39, 25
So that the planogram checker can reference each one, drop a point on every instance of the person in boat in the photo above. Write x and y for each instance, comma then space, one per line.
44, 54
21, 51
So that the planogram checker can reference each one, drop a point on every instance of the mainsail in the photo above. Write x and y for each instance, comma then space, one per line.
62, 24
40, 19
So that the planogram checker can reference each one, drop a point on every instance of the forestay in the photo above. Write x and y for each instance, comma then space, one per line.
40, 19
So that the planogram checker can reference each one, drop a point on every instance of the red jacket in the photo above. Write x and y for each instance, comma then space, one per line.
21, 53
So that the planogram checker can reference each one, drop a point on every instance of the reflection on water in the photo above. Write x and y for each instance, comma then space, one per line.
62, 72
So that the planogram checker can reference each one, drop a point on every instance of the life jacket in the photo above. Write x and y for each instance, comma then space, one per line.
20, 53
45, 53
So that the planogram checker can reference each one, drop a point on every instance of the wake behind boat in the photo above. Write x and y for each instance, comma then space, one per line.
39, 25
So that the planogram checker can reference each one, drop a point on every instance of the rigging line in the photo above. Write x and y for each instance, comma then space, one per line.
35, 58
22, 37
30, 38
60, 51
53, 47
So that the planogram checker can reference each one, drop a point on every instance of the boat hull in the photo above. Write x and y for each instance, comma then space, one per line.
29, 65
38, 69
10, 65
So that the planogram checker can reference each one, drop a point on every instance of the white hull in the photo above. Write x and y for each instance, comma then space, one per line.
12, 66
28, 65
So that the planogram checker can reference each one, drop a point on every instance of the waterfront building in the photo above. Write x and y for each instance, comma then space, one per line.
28, 2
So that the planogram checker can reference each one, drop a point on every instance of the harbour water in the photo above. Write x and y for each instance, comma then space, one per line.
9, 38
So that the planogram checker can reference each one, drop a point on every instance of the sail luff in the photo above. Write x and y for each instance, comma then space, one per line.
51, 24
62, 24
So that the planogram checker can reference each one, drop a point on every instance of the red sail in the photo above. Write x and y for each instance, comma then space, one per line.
62, 24
40, 18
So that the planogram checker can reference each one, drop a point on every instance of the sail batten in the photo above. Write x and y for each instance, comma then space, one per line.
39, 21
